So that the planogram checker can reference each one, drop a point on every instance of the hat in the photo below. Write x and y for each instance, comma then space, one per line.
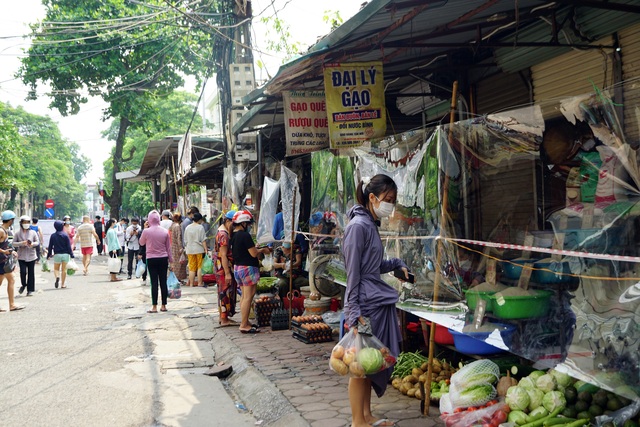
68, 217
315, 219
7, 215
242, 216
25, 218
166, 212
230, 214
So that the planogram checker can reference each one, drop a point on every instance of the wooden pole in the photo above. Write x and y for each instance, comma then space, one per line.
439, 249
175, 180
293, 235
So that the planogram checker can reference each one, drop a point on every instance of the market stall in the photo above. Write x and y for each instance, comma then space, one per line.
541, 216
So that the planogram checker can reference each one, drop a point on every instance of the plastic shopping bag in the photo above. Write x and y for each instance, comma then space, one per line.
72, 267
207, 265
45, 265
359, 355
140, 269
113, 265
173, 284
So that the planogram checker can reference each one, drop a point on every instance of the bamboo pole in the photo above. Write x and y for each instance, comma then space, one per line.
291, 258
175, 181
439, 249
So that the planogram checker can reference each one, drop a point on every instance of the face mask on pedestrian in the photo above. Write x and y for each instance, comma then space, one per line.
67, 222
248, 229
25, 226
384, 209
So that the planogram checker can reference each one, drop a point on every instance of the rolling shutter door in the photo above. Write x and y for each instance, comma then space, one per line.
630, 45
501, 92
572, 73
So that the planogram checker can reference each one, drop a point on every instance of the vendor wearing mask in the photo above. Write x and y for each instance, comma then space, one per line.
287, 262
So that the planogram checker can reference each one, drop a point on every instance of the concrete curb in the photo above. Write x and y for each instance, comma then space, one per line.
261, 396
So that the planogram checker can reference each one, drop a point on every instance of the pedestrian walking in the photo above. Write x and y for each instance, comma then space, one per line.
227, 285
6, 251
166, 220
179, 263
195, 246
61, 251
26, 240
85, 234
69, 228
35, 227
368, 297
132, 239
99, 229
112, 245
158, 250
120, 231
246, 267
142, 256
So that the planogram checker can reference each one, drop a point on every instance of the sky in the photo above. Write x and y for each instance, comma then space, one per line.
305, 22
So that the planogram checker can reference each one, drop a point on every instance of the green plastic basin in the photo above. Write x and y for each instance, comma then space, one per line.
473, 296
521, 307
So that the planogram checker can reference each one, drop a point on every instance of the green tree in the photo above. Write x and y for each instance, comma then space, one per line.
56, 178
128, 53
173, 115
10, 165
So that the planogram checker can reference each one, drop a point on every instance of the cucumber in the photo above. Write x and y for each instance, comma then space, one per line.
557, 421
540, 422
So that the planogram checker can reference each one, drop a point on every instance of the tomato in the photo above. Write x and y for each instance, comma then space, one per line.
500, 416
486, 425
458, 410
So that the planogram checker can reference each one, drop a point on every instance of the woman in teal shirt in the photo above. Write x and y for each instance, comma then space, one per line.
113, 244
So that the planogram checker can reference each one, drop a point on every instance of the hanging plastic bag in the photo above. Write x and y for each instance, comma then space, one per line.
359, 355
45, 265
207, 265
268, 211
173, 285
72, 267
113, 265
140, 269
183, 258
267, 262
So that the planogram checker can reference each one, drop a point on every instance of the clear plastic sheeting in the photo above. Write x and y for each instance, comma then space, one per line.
288, 190
268, 210
551, 190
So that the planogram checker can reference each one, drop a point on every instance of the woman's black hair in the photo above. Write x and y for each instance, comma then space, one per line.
110, 223
378, 185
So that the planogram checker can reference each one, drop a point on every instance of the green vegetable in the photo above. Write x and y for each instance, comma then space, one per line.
571, 394
536, 374
554, 400
481, 378
536, 397
476, 395
546, 383
517, 398
527, 382
517, 417
536, 414
586, 387
579, 423
562, 379
371, 360
406, 362
557, 421
540, 422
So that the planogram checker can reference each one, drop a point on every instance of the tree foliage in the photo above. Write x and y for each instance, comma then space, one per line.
172, 116
35, 139
129, 53
10, 165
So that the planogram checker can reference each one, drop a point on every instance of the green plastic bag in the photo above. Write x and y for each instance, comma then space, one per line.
45, 265
207, 265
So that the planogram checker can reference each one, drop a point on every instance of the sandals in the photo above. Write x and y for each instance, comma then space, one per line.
152, 311
16, 308
384, 422
163, 309
57, 282
254, 330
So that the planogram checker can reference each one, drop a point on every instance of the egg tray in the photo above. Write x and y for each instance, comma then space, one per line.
307, 319
322, 335
312, 340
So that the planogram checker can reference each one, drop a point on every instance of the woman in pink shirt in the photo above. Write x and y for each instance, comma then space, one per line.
158, 249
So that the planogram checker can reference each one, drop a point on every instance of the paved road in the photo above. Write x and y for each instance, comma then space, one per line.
90, 355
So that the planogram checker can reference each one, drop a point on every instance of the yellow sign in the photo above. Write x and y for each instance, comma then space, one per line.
355, 102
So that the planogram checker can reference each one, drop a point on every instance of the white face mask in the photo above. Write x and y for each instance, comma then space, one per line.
25, 226
384, 209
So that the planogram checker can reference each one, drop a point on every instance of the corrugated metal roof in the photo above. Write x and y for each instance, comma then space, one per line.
441, 40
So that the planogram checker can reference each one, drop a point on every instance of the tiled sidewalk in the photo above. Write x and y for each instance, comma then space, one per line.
301, 371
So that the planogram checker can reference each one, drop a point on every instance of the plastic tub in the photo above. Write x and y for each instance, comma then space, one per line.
473, 342
473, 296
521, 307
513, 268
549, 274
442, 335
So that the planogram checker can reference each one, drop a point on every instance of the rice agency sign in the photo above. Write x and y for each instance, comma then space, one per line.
305, 120
355, 102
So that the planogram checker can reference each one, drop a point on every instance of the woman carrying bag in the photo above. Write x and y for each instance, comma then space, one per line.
368, 298
158, 250
113, 248
60, 250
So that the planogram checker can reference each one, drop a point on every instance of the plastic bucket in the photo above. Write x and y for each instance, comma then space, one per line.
473, 342
316, 307
521, 307
474, 296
